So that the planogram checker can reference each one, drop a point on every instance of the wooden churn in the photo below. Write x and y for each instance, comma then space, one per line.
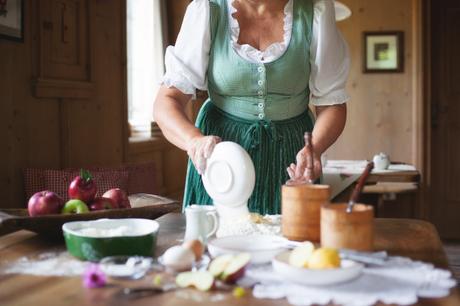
301, 211
342, 230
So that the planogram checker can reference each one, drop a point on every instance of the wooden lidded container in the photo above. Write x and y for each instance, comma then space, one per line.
301, 211
342, 230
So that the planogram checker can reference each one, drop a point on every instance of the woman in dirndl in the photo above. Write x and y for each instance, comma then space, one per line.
263, 62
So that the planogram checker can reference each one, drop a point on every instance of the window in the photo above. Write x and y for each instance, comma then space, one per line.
145, 52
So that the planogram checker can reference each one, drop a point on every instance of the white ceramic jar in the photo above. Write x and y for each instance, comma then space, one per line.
381, 161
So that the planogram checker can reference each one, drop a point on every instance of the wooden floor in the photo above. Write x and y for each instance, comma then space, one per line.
453, 254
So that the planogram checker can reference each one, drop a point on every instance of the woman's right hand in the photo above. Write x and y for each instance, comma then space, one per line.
199, 149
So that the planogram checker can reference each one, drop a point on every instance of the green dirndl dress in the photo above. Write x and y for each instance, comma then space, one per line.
262, 107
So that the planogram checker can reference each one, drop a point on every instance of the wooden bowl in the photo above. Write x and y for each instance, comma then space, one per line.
50, 225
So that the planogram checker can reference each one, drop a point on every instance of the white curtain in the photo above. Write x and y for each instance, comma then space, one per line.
146, 44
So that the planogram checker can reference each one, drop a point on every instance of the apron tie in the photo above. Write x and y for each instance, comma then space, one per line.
257, 130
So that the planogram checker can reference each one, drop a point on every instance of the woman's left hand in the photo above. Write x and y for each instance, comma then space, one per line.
299, 171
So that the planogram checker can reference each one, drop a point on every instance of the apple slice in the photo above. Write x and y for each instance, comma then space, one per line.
219, 264
201, 280
236, 268
300, 256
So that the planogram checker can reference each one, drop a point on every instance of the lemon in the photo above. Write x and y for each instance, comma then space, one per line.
239, 292
300, 256
324, 258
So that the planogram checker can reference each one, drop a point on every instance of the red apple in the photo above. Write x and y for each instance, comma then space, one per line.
119, 197
229, 267
83, 187
236, 268
44, 203
102, 203
219, 264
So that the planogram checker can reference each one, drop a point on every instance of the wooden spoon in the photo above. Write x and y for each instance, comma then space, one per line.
309, 148
359, 187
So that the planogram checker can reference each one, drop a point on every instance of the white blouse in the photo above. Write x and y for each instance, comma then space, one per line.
187, 61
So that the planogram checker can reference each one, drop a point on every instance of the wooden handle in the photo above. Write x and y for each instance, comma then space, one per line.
309, 150
362, 180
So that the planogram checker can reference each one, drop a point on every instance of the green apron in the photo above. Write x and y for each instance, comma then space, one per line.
262, 107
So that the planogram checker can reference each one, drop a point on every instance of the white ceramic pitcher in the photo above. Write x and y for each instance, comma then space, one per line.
201, 222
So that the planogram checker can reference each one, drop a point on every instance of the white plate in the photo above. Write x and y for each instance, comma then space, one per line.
349, 270
342, 11
260, 247
230, 177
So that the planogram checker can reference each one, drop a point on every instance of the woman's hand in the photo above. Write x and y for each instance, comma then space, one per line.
330, 121
199, 149
300, 171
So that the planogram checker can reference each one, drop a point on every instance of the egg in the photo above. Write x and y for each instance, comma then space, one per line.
178, 258
196, 247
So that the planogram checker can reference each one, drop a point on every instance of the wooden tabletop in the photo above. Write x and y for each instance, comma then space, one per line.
416, 239
409, 176
390, 187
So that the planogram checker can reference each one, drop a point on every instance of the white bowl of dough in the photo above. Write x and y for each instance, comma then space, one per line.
94, 240
261, 247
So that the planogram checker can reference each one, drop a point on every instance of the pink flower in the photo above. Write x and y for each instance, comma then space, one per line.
93, 277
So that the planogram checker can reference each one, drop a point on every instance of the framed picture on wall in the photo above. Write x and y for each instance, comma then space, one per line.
12, 19
383, 52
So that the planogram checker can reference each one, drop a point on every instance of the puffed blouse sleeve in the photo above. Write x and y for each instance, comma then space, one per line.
187, 62
330, 60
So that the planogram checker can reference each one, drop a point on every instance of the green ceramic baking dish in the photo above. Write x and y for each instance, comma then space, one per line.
94, 240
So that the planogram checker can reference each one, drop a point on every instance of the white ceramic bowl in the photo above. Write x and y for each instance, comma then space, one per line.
349, 270
260, 247
230, 176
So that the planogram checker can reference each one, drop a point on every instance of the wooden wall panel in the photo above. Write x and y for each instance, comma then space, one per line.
95, 126
176, 10
29, 129
64, 39
381, 116
57, 133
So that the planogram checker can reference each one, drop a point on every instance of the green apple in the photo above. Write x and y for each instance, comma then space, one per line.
75, 207
202, 280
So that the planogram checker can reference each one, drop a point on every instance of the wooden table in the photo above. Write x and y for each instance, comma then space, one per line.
398, 178
416, 239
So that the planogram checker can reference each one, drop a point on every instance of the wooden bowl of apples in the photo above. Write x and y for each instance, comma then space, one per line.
46, 211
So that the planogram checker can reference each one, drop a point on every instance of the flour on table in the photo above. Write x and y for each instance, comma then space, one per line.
46, 264
251, 224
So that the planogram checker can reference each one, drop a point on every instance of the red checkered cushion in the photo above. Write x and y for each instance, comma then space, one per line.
141, 177
59, 180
